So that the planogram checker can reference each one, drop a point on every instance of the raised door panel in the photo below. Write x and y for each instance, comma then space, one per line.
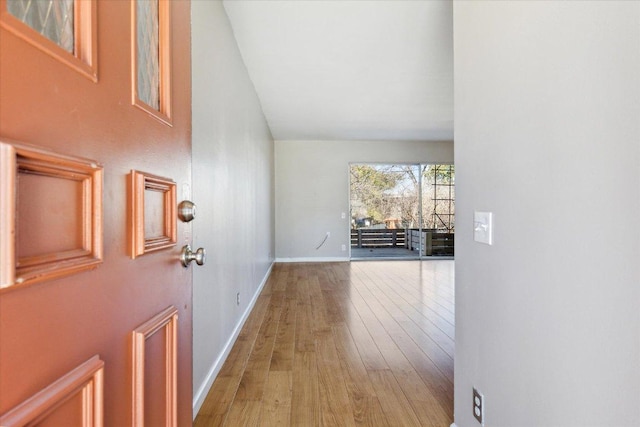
53, 209
154, 374
75, 399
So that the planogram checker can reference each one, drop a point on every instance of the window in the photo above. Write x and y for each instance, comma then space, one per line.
64, 29
402, 210
438, 197
151, 79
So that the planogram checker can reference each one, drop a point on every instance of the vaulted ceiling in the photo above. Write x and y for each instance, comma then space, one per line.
349, 69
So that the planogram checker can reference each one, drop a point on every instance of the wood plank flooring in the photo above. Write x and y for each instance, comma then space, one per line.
343, 344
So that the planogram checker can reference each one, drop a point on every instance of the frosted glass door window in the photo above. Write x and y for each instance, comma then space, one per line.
51, 18
148, 52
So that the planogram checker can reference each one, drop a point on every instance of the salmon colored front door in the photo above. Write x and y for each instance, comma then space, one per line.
95, 155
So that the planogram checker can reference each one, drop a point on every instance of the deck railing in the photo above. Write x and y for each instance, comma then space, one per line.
378, 238
434, 242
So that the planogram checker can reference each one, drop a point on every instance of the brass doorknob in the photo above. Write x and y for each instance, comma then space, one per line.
199, 256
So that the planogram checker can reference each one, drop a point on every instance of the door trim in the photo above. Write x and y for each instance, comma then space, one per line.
17, 158
139, 183
86, 379
167, 320
7, 215
84, 59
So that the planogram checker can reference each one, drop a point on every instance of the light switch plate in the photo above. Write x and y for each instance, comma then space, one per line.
483, 227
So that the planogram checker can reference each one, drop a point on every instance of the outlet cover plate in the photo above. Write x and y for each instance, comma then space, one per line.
478, 406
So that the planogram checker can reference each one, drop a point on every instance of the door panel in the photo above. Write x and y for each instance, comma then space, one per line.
75, 399
58, 226
154, 349
50, 327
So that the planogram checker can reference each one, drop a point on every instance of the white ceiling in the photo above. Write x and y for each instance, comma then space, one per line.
349, 69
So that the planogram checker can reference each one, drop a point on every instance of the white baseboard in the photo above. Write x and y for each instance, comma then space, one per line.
314, 259
203, 390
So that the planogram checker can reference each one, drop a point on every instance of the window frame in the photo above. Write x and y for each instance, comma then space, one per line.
163, 114
84, 58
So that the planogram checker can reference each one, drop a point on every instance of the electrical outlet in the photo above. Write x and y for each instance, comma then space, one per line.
238, 298
344, 248
478, 406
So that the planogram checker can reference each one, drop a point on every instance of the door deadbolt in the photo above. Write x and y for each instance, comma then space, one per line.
186, 211
188, 255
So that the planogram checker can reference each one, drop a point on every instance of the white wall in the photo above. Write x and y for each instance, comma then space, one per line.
547, 128
233, 188
312, 190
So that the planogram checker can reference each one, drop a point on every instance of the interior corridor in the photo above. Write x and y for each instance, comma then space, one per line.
360, 343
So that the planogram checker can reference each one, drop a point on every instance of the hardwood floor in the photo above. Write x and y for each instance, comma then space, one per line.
343, 344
